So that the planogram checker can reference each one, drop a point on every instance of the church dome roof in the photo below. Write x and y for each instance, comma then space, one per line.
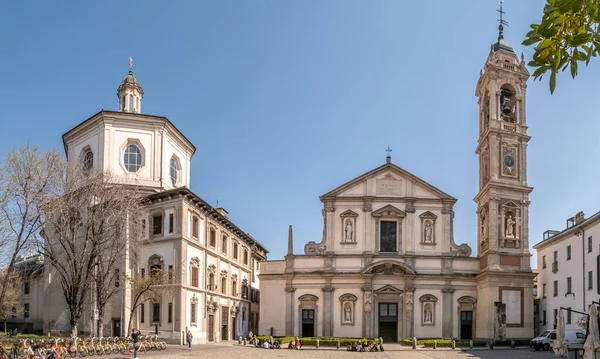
130, 80
503, 45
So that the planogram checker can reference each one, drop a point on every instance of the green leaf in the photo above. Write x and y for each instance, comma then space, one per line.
573, 68
531, 41
552, 81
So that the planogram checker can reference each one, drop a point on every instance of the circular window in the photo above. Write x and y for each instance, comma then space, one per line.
132, 158
88, 161
174, 170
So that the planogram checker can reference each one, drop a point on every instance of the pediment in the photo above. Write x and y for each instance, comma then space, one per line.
389, 180
389, 211
428, 215
389, 267
349, 213
388, 289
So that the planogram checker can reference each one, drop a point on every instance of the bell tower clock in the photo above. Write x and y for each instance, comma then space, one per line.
503, 199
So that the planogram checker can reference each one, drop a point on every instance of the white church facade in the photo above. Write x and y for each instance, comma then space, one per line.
217, 296
387, 264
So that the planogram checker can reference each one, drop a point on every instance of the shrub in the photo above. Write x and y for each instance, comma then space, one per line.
324, 341
445, 343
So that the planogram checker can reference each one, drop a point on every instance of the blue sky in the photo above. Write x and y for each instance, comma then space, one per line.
286, 100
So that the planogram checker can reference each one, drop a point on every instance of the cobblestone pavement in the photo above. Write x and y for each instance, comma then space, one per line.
393, 351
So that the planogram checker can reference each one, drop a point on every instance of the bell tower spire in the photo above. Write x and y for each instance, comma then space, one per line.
505, 278
130, 92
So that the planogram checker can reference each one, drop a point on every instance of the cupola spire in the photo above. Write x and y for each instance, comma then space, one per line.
130, 92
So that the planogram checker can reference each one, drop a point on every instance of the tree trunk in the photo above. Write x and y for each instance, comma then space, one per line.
74, 330
100, 326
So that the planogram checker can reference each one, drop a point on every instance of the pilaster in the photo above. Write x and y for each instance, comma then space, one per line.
290, 309
327, 309
447, 311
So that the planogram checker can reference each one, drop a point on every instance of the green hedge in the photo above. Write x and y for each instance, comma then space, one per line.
444, 343
507, 343
324, 342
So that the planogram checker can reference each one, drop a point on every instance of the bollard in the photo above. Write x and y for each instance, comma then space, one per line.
471, 344
317, 343
380, 340
435, 344
337, 345
453, 344
414, 343
491, 343
512, 343
239, 340
271, 339
244, 340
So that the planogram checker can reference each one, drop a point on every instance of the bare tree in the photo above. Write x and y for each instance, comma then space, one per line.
29, 178
154, 287
9, 305
96, 217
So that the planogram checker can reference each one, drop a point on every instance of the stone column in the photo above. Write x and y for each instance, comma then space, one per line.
447, 311
290, 308
327, 310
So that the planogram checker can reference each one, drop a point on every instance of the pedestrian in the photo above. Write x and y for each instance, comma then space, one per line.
189, 337
135, 336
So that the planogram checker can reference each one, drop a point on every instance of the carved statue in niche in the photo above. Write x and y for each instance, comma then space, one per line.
368, 301
348, 312
483, 226
510, 225
427, 230
409, 302
349, 230
428, 313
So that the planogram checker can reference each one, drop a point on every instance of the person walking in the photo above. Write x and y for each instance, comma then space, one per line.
135, 336
189, 337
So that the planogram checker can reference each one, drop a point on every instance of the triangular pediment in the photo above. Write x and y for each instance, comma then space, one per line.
428, 215
349, 213
388, 289
389, 211
387, 180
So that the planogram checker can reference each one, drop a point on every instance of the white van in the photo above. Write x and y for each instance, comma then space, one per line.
573, 337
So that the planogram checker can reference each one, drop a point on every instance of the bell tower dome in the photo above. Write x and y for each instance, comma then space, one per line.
130, 92
505, 279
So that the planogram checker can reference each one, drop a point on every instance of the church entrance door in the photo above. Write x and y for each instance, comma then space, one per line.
308, 322
388, 322
225, 323
466, 324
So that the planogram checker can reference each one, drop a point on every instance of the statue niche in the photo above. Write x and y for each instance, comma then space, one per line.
428, 228
511, 224
348, 226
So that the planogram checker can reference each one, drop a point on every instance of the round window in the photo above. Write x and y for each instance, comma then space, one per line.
132, 158
88, 161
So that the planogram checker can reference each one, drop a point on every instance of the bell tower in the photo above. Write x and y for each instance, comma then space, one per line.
505, 298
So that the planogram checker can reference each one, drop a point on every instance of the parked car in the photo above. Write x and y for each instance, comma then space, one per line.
573, 337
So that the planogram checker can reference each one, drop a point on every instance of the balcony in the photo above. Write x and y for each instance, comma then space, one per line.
554, 267
212, 287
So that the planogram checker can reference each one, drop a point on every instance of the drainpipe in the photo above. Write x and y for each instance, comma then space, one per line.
372, 331
583, 289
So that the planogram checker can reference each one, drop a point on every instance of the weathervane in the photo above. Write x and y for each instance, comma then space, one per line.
502, 22
130, 63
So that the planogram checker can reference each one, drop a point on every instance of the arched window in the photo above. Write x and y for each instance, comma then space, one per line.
130, 103
175, 170
123, 103
88, 161
132, 158
137, 104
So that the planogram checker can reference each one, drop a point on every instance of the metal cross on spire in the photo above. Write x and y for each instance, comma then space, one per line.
502, 22
388, 150
388, 159
130, 63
